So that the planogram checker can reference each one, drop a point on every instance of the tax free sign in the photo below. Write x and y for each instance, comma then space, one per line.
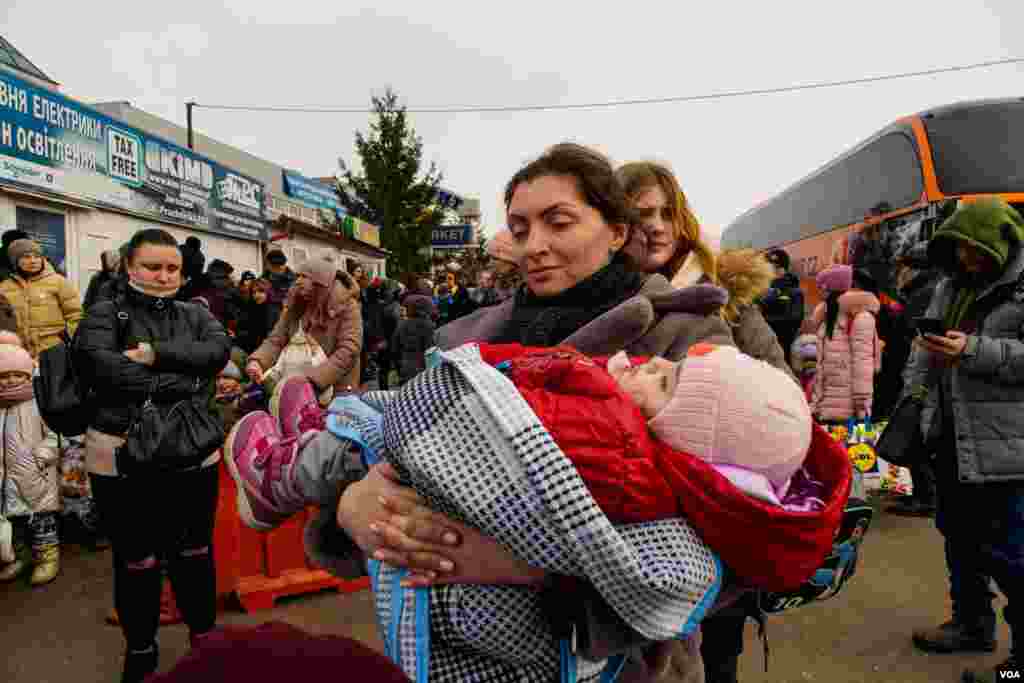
52, 142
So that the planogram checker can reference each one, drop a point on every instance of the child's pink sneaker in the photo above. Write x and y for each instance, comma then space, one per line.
296, 408
260, 461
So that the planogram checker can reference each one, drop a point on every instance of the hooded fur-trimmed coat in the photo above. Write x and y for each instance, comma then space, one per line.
746, 276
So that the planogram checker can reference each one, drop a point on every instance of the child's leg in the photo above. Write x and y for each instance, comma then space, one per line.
45, 547
277, 476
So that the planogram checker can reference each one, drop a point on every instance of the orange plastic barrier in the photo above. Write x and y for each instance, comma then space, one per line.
261, 567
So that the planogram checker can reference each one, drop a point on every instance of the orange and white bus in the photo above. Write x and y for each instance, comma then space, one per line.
910, 168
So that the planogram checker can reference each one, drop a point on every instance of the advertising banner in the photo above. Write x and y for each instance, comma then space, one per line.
451, 236
52, 142
311, 192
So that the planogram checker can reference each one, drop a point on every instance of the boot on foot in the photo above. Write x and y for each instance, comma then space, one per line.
295, 406
140, 663
1007, 671
47, 561
958, 635
260, 461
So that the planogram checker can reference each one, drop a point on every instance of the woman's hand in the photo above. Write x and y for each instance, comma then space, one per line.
948, 348
143, 354
254, 371
478, 559
420, 541
392, 524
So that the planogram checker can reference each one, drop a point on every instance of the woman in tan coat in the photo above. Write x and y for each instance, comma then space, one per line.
326, 306
44, 302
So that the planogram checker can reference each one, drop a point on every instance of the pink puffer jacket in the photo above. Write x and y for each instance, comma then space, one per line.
847, 363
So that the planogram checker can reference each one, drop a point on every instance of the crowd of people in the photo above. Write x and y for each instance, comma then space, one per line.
537, 452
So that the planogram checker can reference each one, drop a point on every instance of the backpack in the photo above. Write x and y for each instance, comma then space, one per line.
63, 404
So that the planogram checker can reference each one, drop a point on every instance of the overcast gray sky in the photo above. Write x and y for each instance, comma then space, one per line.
728, 154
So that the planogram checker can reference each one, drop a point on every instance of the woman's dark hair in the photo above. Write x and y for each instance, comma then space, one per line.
594, 175
153, 236
345, 279
831, 312
862, 279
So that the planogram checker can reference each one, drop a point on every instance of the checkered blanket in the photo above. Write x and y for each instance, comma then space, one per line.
464, 438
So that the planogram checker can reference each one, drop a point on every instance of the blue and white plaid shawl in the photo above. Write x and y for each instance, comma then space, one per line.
463, 437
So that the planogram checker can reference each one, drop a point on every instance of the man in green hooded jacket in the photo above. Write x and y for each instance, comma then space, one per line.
972, 378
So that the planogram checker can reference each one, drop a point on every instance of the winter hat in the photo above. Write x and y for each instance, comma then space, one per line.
731, 409
19, 248
503, 247
319, 270
15, 359
991, 225
231, 371
837, 278
12, 236
276, 255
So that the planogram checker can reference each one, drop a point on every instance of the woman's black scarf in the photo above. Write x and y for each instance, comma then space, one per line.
546, 321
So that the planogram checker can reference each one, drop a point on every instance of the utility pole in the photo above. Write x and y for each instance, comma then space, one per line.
188, 118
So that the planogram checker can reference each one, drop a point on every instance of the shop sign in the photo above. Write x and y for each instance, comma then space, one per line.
451, 236
50, 141
366, 232
311, 192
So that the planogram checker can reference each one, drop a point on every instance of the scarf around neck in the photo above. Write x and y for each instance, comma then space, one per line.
15, 395
546, 321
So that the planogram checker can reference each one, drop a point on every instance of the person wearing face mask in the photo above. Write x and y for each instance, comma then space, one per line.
326, 311
281, 279
146, 347
45, 303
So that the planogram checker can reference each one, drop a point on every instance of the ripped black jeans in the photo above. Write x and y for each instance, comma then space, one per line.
168, 520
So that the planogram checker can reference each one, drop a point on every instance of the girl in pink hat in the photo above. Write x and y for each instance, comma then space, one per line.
849, 350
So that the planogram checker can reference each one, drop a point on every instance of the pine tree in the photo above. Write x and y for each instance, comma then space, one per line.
391, 191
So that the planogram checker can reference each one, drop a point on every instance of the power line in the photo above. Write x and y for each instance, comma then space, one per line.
623, 103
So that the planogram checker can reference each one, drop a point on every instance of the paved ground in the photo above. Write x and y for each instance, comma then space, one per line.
56, 634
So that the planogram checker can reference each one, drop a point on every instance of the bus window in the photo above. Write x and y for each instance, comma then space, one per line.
978, 149
885, 170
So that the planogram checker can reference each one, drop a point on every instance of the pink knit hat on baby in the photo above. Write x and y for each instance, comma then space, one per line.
731, 409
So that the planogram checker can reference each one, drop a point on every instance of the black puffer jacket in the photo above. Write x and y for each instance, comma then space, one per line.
191, 349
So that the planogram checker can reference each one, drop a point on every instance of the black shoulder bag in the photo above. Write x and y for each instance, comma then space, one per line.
177, 439
64, 403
